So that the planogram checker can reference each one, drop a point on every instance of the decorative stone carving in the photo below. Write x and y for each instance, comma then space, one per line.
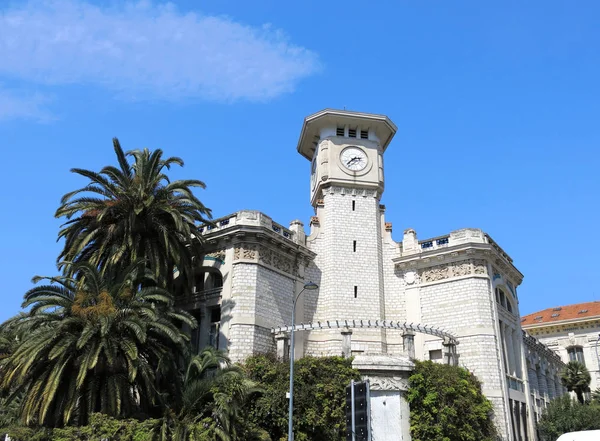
444, 271
249, 252
480, 266
461, 269
435, 273
411, 277
220, 255
282, 263
265, 256
246, 251
387, 383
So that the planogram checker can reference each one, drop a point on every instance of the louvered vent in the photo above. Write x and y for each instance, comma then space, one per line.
339, 131
364, 134
352, 133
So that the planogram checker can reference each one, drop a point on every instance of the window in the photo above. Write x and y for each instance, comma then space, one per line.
339, 131
353, 205
509, 306
354, 246
364, 134
355, 291
576, 354
436, 354
352, 133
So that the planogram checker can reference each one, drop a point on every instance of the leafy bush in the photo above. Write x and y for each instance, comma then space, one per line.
101, 427
319, 396
567, 415
446, 404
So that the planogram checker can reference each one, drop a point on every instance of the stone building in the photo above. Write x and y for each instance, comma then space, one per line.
451, 298
572, 331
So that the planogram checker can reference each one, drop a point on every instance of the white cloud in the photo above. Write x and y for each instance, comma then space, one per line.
23, 105
146, 50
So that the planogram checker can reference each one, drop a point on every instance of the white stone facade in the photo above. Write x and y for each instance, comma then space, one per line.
462, 283
572, 332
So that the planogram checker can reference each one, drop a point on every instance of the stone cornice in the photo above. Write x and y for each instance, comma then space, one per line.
255, 252
457, 253
258, 229
535, 346
533, 327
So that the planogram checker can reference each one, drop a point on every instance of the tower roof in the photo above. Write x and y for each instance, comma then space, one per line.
383, 127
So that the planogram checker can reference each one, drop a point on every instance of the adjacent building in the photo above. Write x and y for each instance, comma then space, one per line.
451, 298
572, 332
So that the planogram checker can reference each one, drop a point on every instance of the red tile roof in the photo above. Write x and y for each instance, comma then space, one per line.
562, 313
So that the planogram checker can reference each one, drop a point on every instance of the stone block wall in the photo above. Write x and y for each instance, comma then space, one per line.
464, 307
350, 264
261, 299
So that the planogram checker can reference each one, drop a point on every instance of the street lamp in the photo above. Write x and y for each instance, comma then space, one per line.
309, 286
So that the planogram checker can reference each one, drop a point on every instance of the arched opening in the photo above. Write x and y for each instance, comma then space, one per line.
207, 279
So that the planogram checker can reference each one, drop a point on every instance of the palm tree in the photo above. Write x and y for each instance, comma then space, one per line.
134, 212
576, 378
214, 401
92, 344
596, 395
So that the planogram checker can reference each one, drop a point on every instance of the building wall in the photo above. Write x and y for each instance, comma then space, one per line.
351, 279
262, 300
583, 334
465, 308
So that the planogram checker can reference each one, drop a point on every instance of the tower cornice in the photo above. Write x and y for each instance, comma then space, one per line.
381, 126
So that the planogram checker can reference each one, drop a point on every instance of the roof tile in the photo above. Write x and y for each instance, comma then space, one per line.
568, 312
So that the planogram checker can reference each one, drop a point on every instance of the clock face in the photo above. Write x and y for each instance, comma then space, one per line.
354, 159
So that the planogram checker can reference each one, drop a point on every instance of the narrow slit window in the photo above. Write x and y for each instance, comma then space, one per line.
353, 205
355, 291
354, 246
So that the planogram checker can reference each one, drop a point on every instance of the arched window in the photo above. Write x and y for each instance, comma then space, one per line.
208, 278
504, 300
576, 354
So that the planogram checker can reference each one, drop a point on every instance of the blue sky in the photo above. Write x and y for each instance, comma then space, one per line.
497, 105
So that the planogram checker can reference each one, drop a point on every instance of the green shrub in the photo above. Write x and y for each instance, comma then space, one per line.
567, 415
101, 427
319, 396
446, 404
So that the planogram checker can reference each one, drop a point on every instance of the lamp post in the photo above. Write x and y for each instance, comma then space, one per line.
309, 286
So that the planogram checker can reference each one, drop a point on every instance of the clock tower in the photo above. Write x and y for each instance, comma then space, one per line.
346, 153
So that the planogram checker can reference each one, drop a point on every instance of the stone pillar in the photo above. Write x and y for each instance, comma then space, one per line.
388, 379
297, 227
408, 340
551, 385
558, 386
410, 244
541, 374
346, 342
282, 340
449, 352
